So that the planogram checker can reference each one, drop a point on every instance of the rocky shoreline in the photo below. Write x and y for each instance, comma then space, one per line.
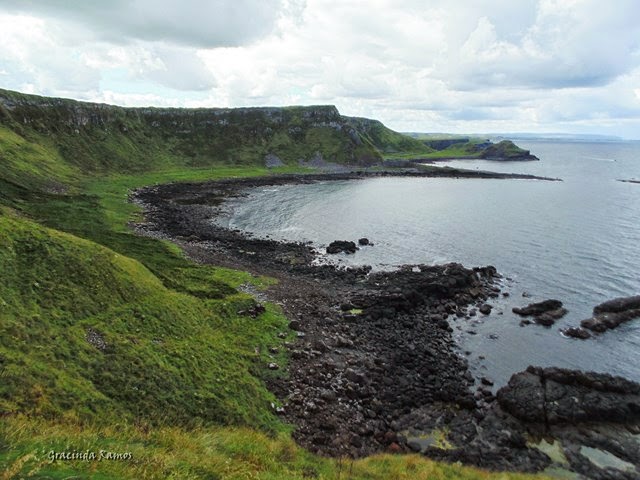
375, 367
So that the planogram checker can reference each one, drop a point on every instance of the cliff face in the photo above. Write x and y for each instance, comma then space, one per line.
88, 137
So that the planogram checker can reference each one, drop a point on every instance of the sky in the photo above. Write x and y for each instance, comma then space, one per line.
481, 66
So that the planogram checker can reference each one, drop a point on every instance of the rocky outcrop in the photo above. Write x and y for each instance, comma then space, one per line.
339, 246
545, 313
609, 315
550, 396
589, 418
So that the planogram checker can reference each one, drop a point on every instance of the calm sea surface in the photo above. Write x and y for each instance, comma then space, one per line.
576, 240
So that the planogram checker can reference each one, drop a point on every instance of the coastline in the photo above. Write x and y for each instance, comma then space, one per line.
375, 366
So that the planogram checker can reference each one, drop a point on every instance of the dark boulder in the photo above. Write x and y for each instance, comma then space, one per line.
485, 309
363, 241
342, 246
295, 325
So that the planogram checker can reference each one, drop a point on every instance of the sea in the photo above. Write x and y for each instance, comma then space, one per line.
575, 240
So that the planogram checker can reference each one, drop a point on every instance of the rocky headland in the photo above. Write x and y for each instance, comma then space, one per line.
375, 367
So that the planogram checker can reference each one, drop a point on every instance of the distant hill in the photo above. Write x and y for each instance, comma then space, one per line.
385, 139
447, 145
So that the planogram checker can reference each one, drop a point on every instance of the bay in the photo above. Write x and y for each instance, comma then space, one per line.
577, 240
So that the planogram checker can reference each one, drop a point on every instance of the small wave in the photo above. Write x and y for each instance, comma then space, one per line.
600, 159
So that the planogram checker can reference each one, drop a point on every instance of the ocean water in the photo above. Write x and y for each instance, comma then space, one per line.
577, 241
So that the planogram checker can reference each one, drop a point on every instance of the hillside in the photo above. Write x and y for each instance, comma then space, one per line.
49, 140
385, 139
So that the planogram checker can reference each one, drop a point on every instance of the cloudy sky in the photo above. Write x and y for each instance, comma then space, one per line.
417, 65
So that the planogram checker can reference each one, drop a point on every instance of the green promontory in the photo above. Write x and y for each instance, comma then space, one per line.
506, 150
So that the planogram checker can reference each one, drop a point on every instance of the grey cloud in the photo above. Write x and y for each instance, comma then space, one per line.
199, 23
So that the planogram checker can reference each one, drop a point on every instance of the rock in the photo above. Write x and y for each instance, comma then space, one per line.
539, 308
486, 381
576, 332
545, 320
295, 325
363, 241
394, 448
254, 311
328, 395
609, 315
96, 339
485, 309
549, 318
341, 246
523, 397
559, 396
273, 366
414, 446
443, 324
618, 305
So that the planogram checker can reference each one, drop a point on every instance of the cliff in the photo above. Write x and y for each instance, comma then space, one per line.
63, 138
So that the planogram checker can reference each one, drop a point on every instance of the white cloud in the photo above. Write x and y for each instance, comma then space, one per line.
414, 64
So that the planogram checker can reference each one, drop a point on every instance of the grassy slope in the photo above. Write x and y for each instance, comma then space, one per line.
179, 361
57, 288
389, 142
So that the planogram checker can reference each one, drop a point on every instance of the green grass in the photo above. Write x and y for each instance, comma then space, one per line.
200, 453
181, 355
